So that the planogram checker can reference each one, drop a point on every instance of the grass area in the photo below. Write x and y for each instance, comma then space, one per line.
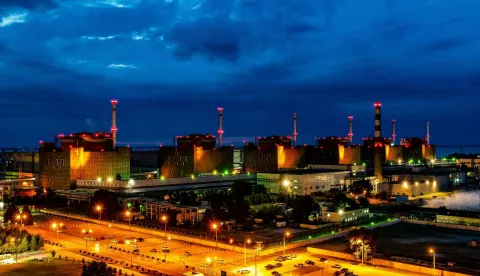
413, 241
55, 267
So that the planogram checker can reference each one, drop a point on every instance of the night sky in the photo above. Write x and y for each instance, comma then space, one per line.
171, 63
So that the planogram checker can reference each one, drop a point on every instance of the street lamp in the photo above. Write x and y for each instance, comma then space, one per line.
16, 251
85, 232
215, 228
131, 251
286, 235
361, 248
99, 210
164, 219
127, 213
432, 251
249, 241
55, 228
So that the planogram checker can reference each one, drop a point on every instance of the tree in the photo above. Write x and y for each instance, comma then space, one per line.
40, 242
28, 215
383, 195
363, 201
53, 253
259, 189
241, 188
23, 244
10, 213
362, 241
361, 187
118, 177
302, 207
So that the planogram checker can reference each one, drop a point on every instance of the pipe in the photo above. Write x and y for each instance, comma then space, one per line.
393, 132
350, 129
220, 128
295, 129
428, 133
114, 122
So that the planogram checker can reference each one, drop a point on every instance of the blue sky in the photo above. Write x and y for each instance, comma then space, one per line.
171, 63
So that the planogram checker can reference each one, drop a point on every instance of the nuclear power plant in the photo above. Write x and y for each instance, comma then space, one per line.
96, 155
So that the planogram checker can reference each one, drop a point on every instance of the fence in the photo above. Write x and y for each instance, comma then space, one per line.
444, 225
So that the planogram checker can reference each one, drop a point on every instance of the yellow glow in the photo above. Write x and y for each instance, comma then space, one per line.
99, 179
84, 231
249, 241
434, 183
287, 234
416, 183
99, 207
169, 238
54, 225
286, 183
110, 180
127, 242
428, 182
431, 250
281, 157
215, 172
405, 184
164, 218
340, 212
12, 239
127, 213
18, 216
61, 224
359, 241
399, 161
231, 240
214, 226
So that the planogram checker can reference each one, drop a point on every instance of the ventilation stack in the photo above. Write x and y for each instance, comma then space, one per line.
378, 148
350, 129
428, 134
220, 126
295, 129
394, 136
114, 122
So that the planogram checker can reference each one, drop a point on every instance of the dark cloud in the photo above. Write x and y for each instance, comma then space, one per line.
446, 44
210, 38
29, 4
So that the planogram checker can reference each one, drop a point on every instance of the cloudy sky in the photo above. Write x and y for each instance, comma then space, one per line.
171, 63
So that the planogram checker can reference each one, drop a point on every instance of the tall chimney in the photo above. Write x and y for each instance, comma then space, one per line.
393, 132
295, 129
220, 128
428, 133
114, 122
378, 146
350, 129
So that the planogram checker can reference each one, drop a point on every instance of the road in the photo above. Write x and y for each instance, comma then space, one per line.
232, 262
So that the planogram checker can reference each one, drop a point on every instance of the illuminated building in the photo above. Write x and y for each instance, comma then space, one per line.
82, 156
194, 154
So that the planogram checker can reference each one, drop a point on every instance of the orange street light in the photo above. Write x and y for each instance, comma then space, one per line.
127, 213
215, 227
99, 210
245, 250
432, 251
287, 234
164, 219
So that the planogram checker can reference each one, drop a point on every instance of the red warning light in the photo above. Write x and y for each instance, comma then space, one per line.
377, 104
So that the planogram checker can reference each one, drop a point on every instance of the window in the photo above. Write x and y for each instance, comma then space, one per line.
183, 163
62, 162
48, 179
318, 187
176, 163
186, 158
170, 172
48, 161
56, 161
166, 163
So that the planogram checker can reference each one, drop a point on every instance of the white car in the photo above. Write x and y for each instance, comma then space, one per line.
114, 241
220, 261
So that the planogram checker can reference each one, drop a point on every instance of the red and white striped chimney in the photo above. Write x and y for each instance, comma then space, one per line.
350, 129
295, 133
114, 122
394, 135
220, 126
428, 133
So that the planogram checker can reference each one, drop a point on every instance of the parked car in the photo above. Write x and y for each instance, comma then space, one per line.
280, 259
187, 254
153, 250
220, 261
309, 262
299, 265
337, 273
136, 250
140, 239
344, 270
275, 273
64, 227
114, 241
278, 265
288, 258
269, 267
293, 256
111, 237
244, 271
102, 238
121, 242
134, 245
323, 260
336, 266
165, 249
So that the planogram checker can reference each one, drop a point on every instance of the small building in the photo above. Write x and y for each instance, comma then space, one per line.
342, 216
194, 214
415, 183
304, 181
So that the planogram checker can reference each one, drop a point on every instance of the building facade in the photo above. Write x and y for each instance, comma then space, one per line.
342, 216
414, 184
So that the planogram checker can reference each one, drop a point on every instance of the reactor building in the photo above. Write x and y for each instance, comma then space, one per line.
83, 155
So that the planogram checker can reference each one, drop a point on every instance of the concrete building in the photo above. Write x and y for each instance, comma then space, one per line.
193, 214
19, 161
414, 184
343, 216
60, 167
472, 163
304, 182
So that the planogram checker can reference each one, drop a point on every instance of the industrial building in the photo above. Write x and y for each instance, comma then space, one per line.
344, 216
14, 162
303, 182
414, 183
83, 156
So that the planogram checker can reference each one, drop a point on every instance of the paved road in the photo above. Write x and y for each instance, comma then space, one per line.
74, 240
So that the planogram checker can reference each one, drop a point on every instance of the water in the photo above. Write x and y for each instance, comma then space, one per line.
465, 201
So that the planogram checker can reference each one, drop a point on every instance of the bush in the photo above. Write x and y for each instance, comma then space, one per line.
53, 253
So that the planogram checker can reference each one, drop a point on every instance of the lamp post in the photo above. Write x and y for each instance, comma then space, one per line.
165, 251
285, 235
286, 185
127, 213
16, 251
361, 248
215, 228
55, 228
131, 252
21, 217
99, 210
164, 219
432, 251
245, 250
85, 232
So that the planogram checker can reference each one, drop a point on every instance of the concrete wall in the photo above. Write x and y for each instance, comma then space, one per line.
349, 155
445, 225
393, 154
385, 263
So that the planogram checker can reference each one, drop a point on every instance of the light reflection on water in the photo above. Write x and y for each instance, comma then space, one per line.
467, 201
